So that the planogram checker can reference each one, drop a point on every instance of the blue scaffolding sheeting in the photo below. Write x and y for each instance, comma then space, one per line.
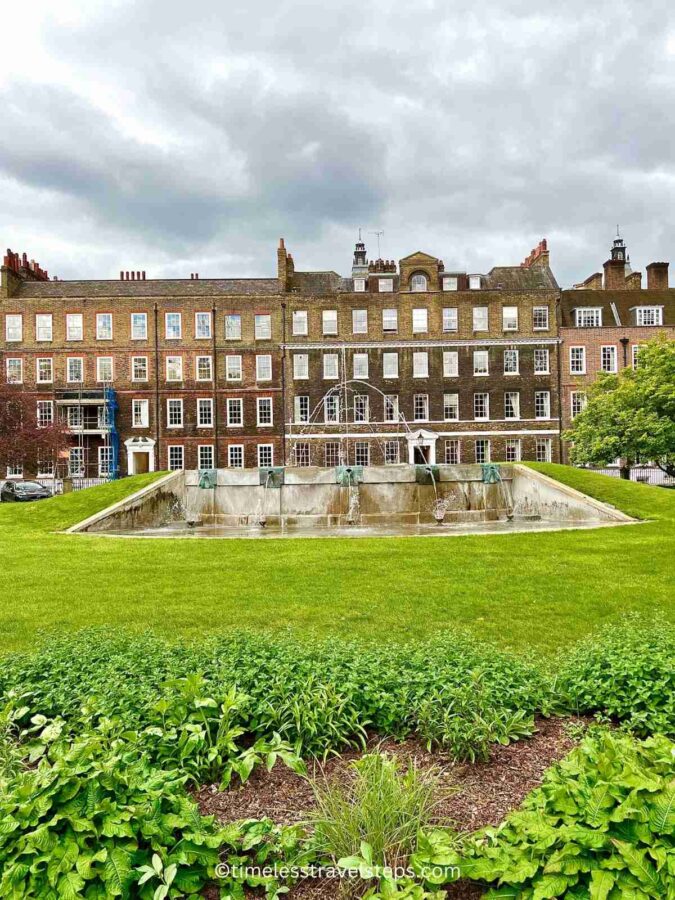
113, 437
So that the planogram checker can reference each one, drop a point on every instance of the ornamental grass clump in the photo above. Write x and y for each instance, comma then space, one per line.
381, 805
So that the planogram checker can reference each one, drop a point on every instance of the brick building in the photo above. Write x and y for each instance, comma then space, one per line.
398, 362
605, 319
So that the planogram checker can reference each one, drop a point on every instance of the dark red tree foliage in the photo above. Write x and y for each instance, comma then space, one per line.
23, 441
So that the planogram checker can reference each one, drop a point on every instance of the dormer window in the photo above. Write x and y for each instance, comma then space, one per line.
474, 282
450, 283
649, 315
418, 283
359, 285
386, 285
588, 317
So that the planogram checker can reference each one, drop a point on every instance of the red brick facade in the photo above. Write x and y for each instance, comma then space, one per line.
472, 361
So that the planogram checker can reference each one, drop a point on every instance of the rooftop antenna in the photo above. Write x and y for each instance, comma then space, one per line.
379, 235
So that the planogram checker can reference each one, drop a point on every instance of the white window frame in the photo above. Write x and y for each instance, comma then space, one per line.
485, 403
362, 453
264, 403
301, 411
201, 317
74, 327
420, 320
173, 326
44, 359
588, 317
642, 312
267, 450
234, 367
13, 326
69, 378
300, 322
512, 398
140, 413
450, 364
420, 359
542, 449
329, 321
178, 367
262, 327
392, 453
233, 326
480, 318
360, 366
481, 363
232, 404
509, 318
104, 326
359, 285
175, 405
133, 368
542, 313
450, 318
44, 327
100, 360
474, 282
547, 356
300, 366
577, 360
450, 406
513, 450
388, 316
511, 353
175, 452
390, 364
205, 403
390, 408
263, 367
450, 283
361, 408
613, 358
635, 349
331, 366
452, 452
11, 363
105, 461
138, 329
359, 321
578, 400
45, 413
385, 285
547, 404
206, 460
486, 450
198, 375
419, 283
421, 402
235, 456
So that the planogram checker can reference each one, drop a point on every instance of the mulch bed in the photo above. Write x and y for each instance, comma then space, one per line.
471, 795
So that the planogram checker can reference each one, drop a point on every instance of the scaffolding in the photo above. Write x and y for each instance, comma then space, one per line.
103, 424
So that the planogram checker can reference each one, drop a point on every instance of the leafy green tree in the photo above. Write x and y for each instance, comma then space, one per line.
630, 416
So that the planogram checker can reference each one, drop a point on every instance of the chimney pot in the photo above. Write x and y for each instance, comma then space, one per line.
143, 274
121, 276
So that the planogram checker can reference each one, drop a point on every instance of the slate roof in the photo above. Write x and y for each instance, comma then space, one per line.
520, 278
160, 287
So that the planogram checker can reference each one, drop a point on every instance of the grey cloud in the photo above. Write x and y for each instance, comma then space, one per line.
471, 130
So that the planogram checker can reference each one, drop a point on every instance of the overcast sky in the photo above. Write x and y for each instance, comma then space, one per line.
178, 137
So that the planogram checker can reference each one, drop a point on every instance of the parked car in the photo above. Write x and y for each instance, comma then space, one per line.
22, 491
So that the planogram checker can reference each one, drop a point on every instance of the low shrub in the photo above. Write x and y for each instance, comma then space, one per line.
624, 672
602, 825
380, 805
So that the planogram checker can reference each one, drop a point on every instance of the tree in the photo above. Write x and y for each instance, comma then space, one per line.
630, 416
23, 441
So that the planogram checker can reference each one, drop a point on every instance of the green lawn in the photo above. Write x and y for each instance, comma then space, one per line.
538, 591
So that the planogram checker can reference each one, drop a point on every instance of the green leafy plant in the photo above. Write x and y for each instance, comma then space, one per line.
625, 672
602, 825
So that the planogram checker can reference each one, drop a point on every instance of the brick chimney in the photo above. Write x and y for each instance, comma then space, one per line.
615, 275
285, 266
539, 256
657, 276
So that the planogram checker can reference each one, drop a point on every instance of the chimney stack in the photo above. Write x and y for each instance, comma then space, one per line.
657, 276
615, 275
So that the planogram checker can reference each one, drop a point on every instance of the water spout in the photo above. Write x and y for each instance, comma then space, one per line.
262, 504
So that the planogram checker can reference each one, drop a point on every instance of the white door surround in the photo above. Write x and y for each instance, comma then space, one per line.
135, 446
424, 441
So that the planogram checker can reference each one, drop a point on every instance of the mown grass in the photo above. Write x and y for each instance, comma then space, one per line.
528, 592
